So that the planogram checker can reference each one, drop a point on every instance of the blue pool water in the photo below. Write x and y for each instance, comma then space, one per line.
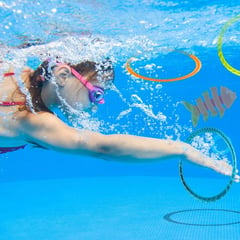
48, 195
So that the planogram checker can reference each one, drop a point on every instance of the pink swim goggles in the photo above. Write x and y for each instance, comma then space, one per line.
95, 93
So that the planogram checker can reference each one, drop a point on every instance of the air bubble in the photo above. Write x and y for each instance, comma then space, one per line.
54, 10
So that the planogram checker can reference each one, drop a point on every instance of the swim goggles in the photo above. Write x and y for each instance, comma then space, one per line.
95, 93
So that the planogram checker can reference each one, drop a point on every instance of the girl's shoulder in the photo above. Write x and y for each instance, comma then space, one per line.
26, 74
27, 70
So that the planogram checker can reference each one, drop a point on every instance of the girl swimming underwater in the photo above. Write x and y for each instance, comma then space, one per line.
81, 87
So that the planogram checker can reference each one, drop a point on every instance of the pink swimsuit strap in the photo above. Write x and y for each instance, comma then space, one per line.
8, 74
10, 103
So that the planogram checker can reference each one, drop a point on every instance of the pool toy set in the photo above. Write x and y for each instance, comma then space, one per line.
213, 103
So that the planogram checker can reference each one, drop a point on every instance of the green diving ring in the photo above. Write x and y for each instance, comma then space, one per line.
234, 163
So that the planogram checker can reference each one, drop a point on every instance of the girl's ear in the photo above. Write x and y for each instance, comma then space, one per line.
62, 73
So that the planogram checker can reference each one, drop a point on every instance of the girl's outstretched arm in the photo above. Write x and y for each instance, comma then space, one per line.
48, 131
141, 149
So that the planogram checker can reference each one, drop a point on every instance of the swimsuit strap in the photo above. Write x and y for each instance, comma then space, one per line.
11, 103
10, 149
8, 74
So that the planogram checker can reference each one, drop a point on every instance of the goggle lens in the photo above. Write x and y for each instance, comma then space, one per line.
96, 95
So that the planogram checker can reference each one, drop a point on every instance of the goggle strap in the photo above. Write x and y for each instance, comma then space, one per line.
87, 84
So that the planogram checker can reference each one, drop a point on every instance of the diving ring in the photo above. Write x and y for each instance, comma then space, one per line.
234, 163
219, 46
195, 70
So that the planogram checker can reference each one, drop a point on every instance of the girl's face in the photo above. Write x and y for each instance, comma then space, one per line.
74, 90
77, 95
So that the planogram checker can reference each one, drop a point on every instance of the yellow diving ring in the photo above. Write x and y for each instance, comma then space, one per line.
219, 46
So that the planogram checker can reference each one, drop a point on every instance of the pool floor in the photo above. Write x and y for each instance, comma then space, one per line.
119, 208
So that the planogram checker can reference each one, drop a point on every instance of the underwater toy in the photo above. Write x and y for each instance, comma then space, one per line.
198, 66
217, 135
214, 105
219, 45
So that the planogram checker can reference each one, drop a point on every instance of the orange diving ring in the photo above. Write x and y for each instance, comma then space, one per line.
198, 66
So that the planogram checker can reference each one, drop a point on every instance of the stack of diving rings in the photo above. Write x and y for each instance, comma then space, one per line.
230, 148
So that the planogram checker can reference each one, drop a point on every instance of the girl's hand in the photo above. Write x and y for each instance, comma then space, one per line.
224, 168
